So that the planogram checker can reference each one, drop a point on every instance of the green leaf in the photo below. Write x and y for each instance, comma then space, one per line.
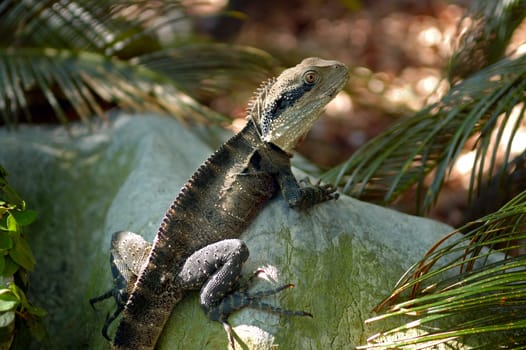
2, 264
10, 267
468, 284
89, 79
22, 299
225, 69
6, 242
3, 222
6, 318
18, 293
82, 57
13, 198
8, 301
35, 310
22, 255
6, 206
430, 142
25, 217
11, 223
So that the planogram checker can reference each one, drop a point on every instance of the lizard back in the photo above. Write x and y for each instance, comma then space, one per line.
219, 201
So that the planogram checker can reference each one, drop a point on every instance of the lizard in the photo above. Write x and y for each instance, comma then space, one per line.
197, 244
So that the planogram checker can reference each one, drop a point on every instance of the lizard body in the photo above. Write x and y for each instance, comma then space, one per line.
196, 245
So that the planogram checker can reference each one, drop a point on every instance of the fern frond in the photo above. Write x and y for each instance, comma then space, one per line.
434, 137
472, 284
225, 68
486, 38
84, 56
85, 80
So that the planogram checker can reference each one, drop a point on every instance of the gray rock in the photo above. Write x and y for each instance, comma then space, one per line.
343, 256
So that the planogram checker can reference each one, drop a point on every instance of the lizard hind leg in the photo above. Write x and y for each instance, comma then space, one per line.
128, 253
118, 295
216, 269
242, 298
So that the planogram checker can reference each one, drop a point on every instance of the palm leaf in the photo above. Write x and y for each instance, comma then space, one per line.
507, 182
434, 137
89, 25
224, 69
83, 56
486, 38
423, 148
466, 285
84, 79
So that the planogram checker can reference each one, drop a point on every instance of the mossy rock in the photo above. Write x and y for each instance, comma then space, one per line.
343, 256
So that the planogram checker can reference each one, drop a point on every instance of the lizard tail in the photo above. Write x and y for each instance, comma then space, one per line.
146, 313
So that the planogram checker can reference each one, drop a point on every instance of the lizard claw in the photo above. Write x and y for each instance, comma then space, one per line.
330, 191
312, 194
243, 286
230, 334
305, 181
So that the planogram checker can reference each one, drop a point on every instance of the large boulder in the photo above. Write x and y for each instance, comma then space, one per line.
343, 256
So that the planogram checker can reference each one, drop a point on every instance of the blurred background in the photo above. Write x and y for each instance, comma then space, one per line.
431, 122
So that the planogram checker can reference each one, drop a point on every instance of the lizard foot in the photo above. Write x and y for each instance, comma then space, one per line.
114, 314
311, 194
328, 189
241, 298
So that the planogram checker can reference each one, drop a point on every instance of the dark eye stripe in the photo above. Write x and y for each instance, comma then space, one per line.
285, 100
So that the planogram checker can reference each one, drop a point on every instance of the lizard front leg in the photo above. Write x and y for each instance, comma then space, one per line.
217, 268
303, 195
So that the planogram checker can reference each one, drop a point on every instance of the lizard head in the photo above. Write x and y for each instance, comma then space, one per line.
286, 107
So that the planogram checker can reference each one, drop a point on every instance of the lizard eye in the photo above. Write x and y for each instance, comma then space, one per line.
310, 77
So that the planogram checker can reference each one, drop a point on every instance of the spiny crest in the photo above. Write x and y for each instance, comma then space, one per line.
203, 168
189, 185
254, 105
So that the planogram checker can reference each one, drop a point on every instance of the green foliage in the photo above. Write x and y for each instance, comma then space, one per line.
468, 287
16, 259
480, 290
12, 297
429, 142
81, 57
434, 137
491, 25
13, 246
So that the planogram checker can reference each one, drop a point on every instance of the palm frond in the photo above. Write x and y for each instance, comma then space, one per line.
434, 137
103, 25
81, 55
471, 284
85, 80
486, 38
421, 150
226, 67
506, 183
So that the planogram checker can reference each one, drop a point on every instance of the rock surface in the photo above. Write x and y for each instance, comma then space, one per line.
343, 256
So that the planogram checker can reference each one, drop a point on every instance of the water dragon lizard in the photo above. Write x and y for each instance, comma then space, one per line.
197, 245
